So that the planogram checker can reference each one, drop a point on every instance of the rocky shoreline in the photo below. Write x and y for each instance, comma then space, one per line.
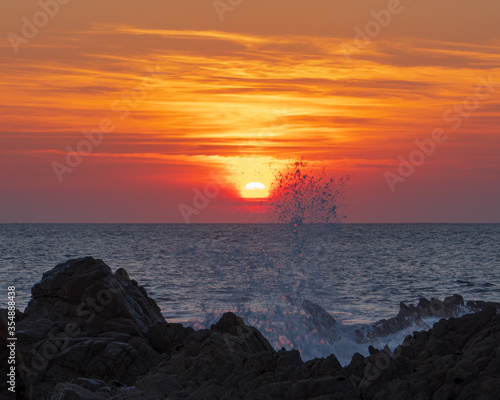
90, 334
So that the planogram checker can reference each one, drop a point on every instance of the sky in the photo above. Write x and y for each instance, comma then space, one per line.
162, 111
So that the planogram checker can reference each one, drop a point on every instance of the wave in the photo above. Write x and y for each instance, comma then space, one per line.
313, 331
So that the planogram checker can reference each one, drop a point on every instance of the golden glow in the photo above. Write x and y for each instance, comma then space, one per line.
255, 186
255, 190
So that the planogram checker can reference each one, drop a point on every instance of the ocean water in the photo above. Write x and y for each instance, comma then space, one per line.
359, 273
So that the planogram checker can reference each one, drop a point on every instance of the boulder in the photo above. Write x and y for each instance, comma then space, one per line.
165, 337
85, 292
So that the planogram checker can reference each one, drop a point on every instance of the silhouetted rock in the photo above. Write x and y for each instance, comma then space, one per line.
118, 346
86, 291
455, 357
411, 316
165, 337
319, 320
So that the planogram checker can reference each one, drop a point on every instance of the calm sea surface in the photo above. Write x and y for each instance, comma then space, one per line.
357, 272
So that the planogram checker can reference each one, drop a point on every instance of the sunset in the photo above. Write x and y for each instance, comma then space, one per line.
107, 102
285, 161
255, 190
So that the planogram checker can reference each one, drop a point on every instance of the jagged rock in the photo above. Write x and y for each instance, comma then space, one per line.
458, 358
481, 305
411, 316
245, 336
124, 349
321, 321
85, 292
82, 321
228, 323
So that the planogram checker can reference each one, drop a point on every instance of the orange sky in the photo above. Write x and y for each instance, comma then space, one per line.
186, 101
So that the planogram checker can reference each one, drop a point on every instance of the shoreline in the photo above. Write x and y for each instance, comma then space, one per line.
88, 333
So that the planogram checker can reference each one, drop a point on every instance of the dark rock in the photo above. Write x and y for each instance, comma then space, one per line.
166, 337
228, 323
85, 292
321, 321
89, 334
357, 366
78, 324
70, 391
480, 305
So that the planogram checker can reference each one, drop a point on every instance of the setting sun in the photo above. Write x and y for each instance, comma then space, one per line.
254, 190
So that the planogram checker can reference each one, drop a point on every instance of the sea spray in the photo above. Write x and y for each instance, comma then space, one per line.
302, 194
299, 196
277, 293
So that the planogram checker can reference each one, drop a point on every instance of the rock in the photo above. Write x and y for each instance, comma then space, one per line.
79, 321
411, 316
165, 337
155, 383
355, 370
85, 292
228, 323
288, 363
449, 361
480, 305
99, 359
89, 334
70, 391
338, 385
321, 321
247, 336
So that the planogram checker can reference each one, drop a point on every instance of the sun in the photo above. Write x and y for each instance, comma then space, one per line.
254, 190
255, 186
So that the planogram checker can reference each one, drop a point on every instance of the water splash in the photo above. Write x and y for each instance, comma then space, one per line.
300, 195
317, 334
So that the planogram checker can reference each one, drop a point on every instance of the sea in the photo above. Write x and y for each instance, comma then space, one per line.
358, 273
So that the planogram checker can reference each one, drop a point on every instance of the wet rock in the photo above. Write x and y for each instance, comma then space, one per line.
480, 305
411, 316
90, 334
451, 361
321, 321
